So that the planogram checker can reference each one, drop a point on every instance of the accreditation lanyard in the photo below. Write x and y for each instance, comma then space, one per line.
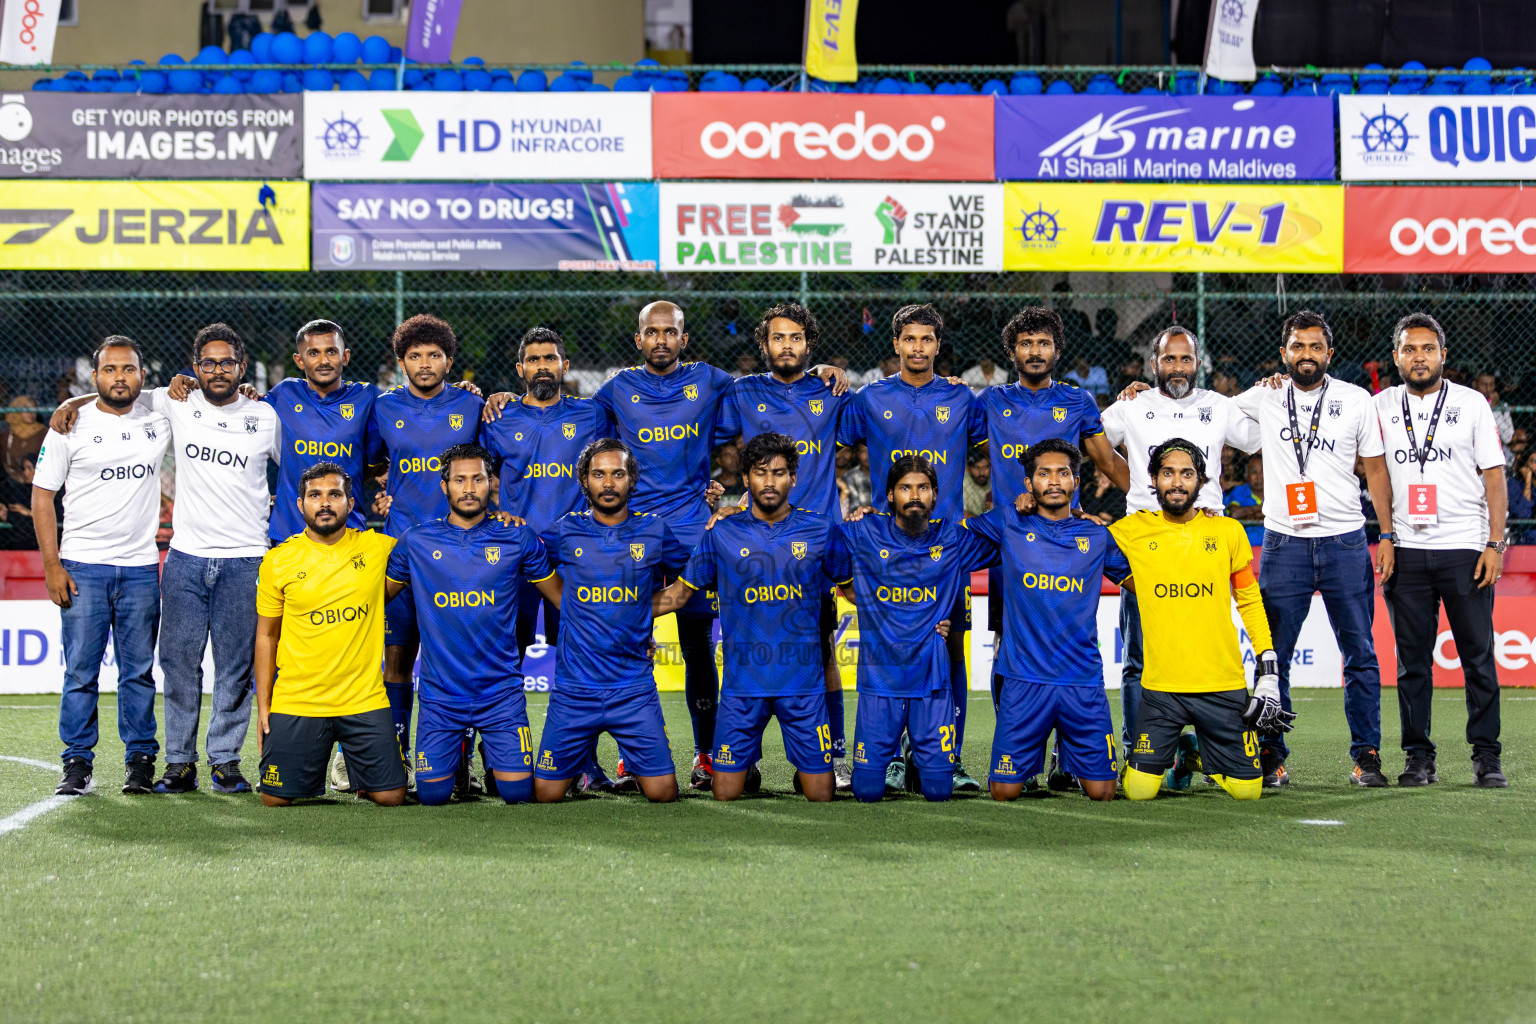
1301, 497
1423, 501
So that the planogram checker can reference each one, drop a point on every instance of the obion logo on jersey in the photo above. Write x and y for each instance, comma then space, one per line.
1439, 230
823, 135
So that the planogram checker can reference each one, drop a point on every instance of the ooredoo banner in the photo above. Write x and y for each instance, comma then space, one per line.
1437, 138
411, 136
823, 135
1402, 230
831, 226
110, 135
1164, 138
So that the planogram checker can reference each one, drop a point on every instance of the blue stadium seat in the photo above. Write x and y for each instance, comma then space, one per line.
532, 80
228, 85
317, 48
287, 48
1101, 85
211, 55
565, 82
1410, 80
97, 85
503, 83
185, 81
375, 50
888, 87
292, 82
473, 62
1149, 90
415, 78
1269, 85
756, 84
396, 55
1026, 85
628, 83
1221, 87
477, 80
447, 80
318, 80
1477, 85
353, 81
594, 87
125, 85
1336, 83
268, 81
242, 57
261, 47
994, 87
1060, 87
1304, 85
151, 82
381, 80
579, 71
1185, 83
346, 48
917, 89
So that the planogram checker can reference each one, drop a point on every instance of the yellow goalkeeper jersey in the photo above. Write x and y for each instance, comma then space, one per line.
1184, 578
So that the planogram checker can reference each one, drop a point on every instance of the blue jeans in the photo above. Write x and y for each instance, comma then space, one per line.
200, 597
123, 601
1338, 567
1130, 666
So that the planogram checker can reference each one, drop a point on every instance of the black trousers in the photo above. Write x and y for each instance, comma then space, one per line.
1424, 580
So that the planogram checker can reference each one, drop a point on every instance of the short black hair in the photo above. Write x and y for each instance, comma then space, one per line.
116, 341
764, 447
789, 311
425, 329
1177, 444
320, 469
217, 332
911, 464
456, 452
1051, 446
1423, 320
924, 314
1033, 320
598, 447
541, 336
319, 327
1305, 319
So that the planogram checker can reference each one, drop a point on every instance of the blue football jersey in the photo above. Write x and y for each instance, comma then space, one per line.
807, 411
413, 432
1052, 572
939, 421
670, 422
905, 587
539, 449
318, 428
608, 575
464, 584
771, 578
1017, 417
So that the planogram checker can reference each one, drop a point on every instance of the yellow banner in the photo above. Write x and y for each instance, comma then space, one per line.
829, 52
1174, 227
154, 225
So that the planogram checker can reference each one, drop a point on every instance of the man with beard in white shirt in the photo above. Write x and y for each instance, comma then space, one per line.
1142, 419
1448, 507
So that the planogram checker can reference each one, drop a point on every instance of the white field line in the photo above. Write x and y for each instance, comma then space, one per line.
13, 822
28, 760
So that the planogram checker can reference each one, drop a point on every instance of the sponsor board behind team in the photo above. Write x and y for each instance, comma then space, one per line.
1437, 138
1402, 230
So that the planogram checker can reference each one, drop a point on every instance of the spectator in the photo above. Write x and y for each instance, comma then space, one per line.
1076, 329
1106, 330
1099, 496
16, 508
1130, 373
587, 381
25, 436
1522, 499
889, 365
976, 487
944, 366
746, 365
728, 474
1092, 379
1243, 501
856, 478
984, 374
1518, 443
1224, 383
1487, 385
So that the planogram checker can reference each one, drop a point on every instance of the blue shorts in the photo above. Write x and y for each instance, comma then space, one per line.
1029, 711
503, 726
400, 620
930, 721
740, 721
576, 716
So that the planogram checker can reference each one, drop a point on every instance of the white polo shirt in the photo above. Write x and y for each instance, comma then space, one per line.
109, 469
222, 500
1466, 443
1346, 427
1207, 419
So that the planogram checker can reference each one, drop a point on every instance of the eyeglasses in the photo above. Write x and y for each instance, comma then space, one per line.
227, 365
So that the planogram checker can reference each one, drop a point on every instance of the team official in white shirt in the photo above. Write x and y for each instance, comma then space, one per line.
1448, 507
1313, 429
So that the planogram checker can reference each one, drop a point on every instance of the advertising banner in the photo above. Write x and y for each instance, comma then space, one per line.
27, 31
1267, 228
1229, 40
112, 135
542, 226
823, 135
154, 225
1164, 138
829, 32
1439, 230
1437, 138
1514, 645
434, 23
831, 226
477, 136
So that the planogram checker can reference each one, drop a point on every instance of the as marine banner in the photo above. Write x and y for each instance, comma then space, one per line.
154, 225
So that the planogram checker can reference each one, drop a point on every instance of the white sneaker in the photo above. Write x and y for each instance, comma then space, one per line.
341, 782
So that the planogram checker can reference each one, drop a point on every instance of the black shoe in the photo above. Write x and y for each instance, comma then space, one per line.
1273, 768
1420, 771
1057, 778
1487, 772
1367, 771
753, 783
140, 776
76, 780
227, 778
179, 777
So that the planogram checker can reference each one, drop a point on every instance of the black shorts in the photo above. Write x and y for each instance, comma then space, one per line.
297, 752
1227, 747
995, 600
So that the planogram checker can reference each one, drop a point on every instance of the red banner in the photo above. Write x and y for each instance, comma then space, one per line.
1514, 644
1479, 230
834, 136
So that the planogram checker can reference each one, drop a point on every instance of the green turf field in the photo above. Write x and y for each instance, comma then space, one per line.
1418, 906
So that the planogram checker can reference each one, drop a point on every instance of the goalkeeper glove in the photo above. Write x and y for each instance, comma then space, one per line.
1264, 713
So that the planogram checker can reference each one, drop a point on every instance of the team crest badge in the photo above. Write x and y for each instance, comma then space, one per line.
149, 432
1452, 415
493, 554
1082, 544
568, 429
637, 551
1210, 543
250, 424
348, 410
358, 563
1335, 407
815, 407
456, 421
1059, 414
797, 548
935, 551
691, 392
1205, 414
942, 412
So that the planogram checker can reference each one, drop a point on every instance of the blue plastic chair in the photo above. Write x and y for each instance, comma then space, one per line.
1336, 83
478, 80
1221, 87
994, 87
151, 82
287, 48
317, 48
346, 48
579, 71
185, 82
43, 85
1026, 85
265, 81
888, 87
261, 47
318, 80
228, 85
211, 55
1060, 87
447, 80
396, 55
756, 84
97, 85
381, 80
242, 57
375, 50
1186, 84
414, 78
1266, 86
565, 83
292, 82
532, 80
1410, 80
917, 89
353, 81
125, 85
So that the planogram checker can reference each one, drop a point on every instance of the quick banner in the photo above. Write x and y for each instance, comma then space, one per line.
543, 226
110, 135
1267, 228
154, 225
1438, 230
1437, 138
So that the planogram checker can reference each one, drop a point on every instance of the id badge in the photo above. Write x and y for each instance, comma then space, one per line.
1301, 502
1422, 508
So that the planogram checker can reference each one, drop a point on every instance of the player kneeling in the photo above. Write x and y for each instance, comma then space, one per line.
1186, 566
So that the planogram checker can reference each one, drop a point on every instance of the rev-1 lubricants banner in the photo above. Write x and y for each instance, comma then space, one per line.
480, 136
544, 226
1437, 138
154, 225
831, 226
1265, 228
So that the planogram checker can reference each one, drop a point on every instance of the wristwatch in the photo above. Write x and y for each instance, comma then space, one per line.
1389, 535
1497, 545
